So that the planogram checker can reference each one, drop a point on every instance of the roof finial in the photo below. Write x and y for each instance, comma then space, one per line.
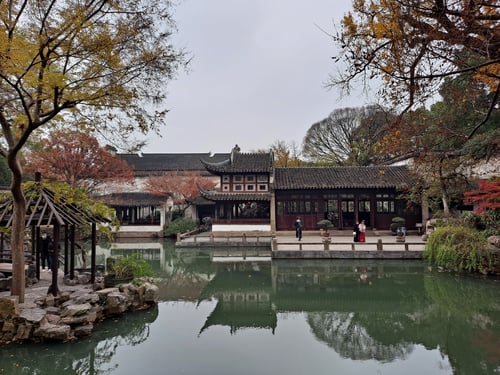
236, 148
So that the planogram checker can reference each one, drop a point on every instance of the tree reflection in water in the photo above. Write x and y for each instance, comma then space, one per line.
351, 340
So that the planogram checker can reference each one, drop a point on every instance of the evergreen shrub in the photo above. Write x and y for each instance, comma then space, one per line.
458, 248
180, 225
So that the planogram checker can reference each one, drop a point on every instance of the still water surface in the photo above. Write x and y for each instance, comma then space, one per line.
228, 316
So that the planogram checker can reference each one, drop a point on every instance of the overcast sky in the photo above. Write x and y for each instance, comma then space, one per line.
257, 75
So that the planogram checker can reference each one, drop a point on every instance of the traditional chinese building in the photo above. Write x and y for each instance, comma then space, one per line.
254, 195
243, 201
141, 213
343, 195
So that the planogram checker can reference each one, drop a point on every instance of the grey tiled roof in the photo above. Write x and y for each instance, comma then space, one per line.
242, 163
130, 199
219, 196
340, 177
171, 162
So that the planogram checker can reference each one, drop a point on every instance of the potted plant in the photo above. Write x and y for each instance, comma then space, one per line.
397, 224
325, 225
124, 269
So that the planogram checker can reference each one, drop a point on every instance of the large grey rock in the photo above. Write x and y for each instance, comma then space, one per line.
151, 293
84, 330
70, 282
117, 303
84, 278
54, 332
24, 331
81, 319
104, 292
76, 310
33, 315
82, 296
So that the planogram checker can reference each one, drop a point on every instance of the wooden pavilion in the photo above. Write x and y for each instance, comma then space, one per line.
45, 209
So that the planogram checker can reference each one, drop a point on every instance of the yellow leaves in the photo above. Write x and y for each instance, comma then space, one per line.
379, 30
16, 55
350, 27
489, 76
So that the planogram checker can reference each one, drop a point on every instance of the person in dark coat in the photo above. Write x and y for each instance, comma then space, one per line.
356, 232
298, 228
46, 252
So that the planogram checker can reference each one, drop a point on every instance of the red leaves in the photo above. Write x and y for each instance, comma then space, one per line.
76, 158
183, 187
487, 197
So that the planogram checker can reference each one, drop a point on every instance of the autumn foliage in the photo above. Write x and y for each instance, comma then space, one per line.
76, 158
182, 187
412, 45
487, 197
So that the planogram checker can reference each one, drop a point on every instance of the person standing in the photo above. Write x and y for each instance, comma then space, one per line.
362, 231
356, 232
298, 228
46, 252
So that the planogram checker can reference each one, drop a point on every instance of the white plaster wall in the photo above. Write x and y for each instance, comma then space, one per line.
140, 228
241, 227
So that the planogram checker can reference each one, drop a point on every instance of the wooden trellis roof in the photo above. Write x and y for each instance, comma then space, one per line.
43, 208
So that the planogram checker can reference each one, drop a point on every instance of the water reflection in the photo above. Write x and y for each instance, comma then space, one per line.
386, 317
88, 356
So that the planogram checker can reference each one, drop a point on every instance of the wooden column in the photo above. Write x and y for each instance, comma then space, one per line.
53, 288
272, 208
93, 254
66, 257
38, 241
72, 253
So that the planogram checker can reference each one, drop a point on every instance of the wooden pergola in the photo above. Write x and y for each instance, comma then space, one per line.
44, 209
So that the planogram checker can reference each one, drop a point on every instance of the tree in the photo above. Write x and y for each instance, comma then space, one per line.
487, 197
99, 60
413, 45
437, 138
285, 155
182, 187
348, 136
76, 158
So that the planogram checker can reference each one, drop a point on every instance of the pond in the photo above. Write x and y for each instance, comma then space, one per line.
245, 316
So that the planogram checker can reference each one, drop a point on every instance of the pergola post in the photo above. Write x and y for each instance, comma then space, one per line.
93, 253
66, 243
54, 289
38, 243
72, 253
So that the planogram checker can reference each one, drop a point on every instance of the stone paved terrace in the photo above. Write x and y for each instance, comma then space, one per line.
312, 245
39, 289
